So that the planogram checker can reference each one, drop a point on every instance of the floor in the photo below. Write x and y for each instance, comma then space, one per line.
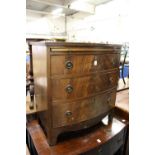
28, 110
121, 85
122, 100
27, 151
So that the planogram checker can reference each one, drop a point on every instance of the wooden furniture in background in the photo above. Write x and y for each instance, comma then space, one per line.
121, 111
75, 84
122, 103
103, 138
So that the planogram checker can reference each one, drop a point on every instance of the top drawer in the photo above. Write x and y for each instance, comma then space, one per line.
84, 63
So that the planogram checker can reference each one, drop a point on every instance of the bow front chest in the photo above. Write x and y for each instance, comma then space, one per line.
75, 84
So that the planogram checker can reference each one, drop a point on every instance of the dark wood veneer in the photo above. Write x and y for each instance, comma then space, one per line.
83, 142
75, 84
83, 86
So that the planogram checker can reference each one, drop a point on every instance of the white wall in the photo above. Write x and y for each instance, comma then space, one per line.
108, 24
46, 25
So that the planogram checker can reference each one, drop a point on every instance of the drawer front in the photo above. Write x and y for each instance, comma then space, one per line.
78, 64
75, 88
69, 113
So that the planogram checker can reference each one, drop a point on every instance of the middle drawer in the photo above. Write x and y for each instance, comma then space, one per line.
80, 87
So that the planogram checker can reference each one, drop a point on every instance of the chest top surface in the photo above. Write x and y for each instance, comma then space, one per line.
76, 44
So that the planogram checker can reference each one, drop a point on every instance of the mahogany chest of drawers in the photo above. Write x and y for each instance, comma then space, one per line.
75, 84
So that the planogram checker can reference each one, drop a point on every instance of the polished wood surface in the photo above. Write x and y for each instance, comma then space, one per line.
82, 110
122, 114
83, 86
69, 78
83, 64
102, 138
55, 45
40, 76
122, 101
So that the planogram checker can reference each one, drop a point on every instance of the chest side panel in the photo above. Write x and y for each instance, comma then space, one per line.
39, 55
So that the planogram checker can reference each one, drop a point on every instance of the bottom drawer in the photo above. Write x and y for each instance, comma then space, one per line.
75, 112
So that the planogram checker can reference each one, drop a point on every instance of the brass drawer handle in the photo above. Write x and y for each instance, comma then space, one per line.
68, 113
69, 65
69, 89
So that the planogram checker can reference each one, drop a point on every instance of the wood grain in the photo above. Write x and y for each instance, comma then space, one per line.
83, 64
83, 86
82, 110
110, 137
63, 88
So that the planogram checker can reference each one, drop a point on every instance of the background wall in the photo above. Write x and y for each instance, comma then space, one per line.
109, 24
45, 25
